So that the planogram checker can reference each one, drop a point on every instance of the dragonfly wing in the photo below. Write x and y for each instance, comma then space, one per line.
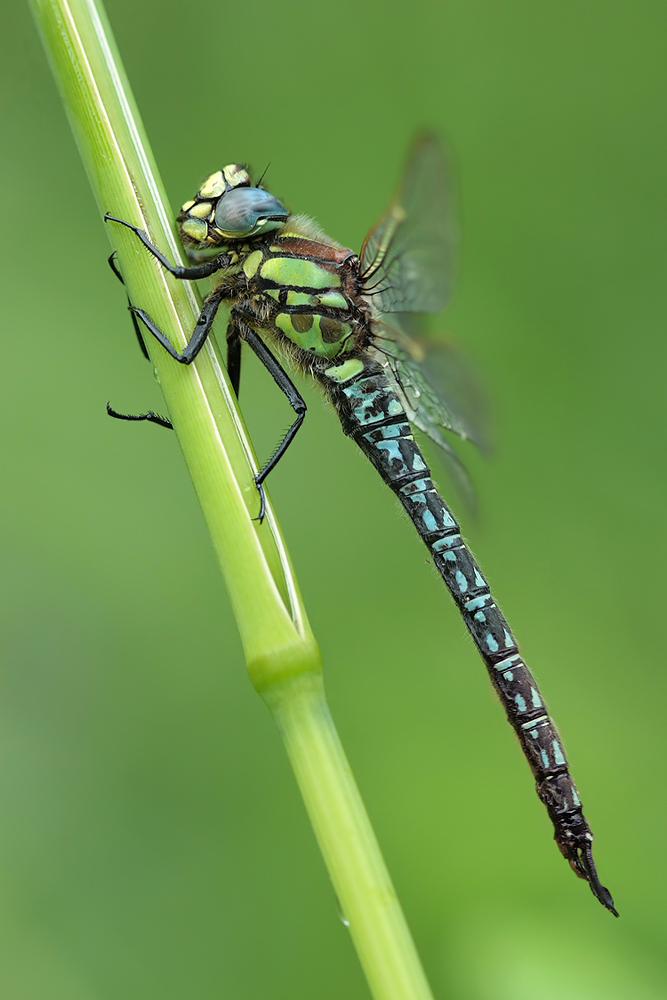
406, 268
421, 417
447, 391
406, 259
437, 382
454, 467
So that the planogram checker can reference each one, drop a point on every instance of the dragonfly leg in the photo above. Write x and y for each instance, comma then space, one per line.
178, 271
199, 334
234, 358
284, 383
153, 418
112, 264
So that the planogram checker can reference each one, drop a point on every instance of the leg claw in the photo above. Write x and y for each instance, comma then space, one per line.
262, 502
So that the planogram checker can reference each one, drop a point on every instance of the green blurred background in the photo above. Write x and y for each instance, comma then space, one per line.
153, 841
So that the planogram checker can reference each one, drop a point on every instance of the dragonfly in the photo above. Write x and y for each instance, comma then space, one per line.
349, 322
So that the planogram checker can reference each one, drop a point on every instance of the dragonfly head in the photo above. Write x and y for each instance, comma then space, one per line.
227, 207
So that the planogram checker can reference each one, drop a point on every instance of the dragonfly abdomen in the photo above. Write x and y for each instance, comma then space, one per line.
372, 414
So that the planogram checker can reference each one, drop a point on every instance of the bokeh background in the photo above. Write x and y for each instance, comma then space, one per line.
153, 843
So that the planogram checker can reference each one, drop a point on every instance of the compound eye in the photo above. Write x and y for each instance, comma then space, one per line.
248, 211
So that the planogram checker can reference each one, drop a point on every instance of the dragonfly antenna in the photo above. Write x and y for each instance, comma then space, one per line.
263, 174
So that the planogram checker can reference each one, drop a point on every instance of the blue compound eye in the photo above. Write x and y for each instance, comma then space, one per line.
248, 211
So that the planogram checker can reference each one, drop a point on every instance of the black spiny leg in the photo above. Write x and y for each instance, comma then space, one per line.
200, 332
234, 358
283, 382
153, 418
203, 325
112, 264
178, 271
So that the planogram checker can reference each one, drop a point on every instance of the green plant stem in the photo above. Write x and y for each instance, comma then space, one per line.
365, 892
282, 656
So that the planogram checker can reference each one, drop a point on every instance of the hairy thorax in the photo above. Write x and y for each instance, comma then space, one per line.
302, 289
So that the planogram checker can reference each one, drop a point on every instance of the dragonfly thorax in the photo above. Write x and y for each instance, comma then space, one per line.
306, 289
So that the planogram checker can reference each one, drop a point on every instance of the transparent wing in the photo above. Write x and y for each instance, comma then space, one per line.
406, 266
437, 382
406, 259
439, 392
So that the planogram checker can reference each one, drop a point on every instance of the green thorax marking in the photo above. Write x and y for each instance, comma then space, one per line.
314, 313
317, 334
291, 272
343, 373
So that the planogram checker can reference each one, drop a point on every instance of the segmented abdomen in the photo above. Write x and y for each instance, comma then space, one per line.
372, 414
